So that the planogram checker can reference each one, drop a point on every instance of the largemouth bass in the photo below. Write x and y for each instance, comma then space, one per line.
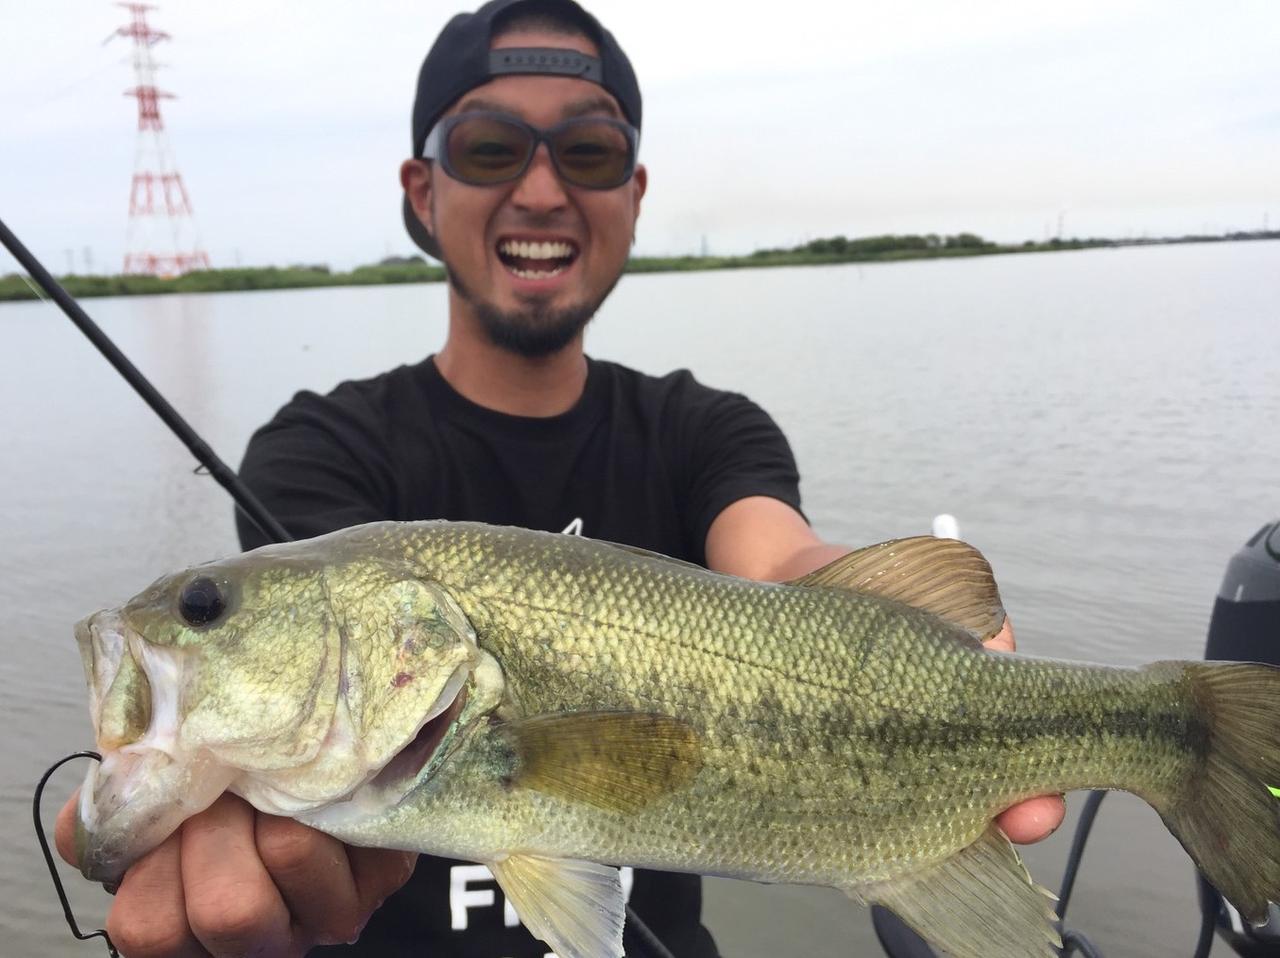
544, 704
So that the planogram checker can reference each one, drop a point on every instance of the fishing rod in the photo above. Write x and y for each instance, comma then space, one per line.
639, 933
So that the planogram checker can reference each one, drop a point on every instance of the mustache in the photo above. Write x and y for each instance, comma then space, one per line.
558, 221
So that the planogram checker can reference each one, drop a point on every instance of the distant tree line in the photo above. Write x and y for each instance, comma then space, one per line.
416, 269
871, 245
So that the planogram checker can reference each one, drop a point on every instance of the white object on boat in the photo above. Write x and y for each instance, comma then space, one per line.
945, 526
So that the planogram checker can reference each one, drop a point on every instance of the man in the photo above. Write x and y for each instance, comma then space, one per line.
524, 182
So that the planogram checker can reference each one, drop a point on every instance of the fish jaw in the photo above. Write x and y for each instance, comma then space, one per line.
101, 640
147, 784
136, 799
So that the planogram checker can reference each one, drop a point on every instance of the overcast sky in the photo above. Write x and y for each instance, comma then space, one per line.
766, 125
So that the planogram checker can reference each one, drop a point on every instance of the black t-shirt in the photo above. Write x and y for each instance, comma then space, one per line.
640, 460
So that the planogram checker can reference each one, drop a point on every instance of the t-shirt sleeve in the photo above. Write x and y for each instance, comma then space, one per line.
317, 466
733, 449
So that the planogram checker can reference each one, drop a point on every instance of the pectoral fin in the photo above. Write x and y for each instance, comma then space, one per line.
979, 903
618, 761
575, 907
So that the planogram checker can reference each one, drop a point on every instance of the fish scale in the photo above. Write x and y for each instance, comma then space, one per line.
806, 651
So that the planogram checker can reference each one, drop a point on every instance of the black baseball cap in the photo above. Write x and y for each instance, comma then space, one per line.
461, 60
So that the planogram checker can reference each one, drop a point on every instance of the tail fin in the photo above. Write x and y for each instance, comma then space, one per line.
1228, 819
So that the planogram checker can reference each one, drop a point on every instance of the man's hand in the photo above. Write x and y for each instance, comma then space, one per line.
233, 881
1037, 818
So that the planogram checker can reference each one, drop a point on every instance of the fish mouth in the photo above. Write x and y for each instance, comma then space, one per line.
146, 784
102, 639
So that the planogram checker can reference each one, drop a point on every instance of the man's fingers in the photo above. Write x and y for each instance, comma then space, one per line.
1002, 641
379, 872
232, 905
64, 830
148, 918
1034, 819
311, 871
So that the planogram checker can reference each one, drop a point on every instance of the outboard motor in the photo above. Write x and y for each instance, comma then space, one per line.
1246, 628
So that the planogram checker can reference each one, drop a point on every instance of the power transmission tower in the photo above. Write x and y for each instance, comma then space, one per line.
162, 238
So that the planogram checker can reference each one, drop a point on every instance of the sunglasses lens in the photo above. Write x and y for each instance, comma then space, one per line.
487, 150
593, 153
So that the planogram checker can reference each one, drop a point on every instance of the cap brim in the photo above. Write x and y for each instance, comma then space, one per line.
417, 232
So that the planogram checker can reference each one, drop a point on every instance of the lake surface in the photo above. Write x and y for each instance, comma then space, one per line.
1103, 423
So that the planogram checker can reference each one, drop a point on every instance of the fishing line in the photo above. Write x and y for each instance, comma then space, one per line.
649, 943
36, 291
209, 464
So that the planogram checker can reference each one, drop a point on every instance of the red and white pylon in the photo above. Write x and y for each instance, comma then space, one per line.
162, 239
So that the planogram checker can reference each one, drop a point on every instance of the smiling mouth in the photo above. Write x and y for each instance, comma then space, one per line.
536, 260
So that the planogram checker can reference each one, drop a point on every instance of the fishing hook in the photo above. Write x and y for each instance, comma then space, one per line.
48, 856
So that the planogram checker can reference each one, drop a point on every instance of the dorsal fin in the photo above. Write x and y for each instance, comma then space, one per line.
946, 577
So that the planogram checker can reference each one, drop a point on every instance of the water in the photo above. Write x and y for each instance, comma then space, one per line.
1103, 424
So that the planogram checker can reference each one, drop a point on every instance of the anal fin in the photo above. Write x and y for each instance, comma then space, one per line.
979, 903
575, 907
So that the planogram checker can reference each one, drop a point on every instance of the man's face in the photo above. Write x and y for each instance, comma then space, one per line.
532, 299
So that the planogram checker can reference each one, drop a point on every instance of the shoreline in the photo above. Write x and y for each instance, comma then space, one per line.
823, 252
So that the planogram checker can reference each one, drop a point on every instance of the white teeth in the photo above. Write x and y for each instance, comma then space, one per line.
536, 273
549, 250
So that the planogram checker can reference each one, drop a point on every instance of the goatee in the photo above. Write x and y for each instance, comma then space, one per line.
537, 329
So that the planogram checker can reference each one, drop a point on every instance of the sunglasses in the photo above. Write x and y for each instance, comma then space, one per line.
485, 149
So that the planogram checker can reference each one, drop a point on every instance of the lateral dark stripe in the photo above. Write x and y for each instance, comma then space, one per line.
1182, 728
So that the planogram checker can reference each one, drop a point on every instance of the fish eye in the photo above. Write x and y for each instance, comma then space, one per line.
201, 601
